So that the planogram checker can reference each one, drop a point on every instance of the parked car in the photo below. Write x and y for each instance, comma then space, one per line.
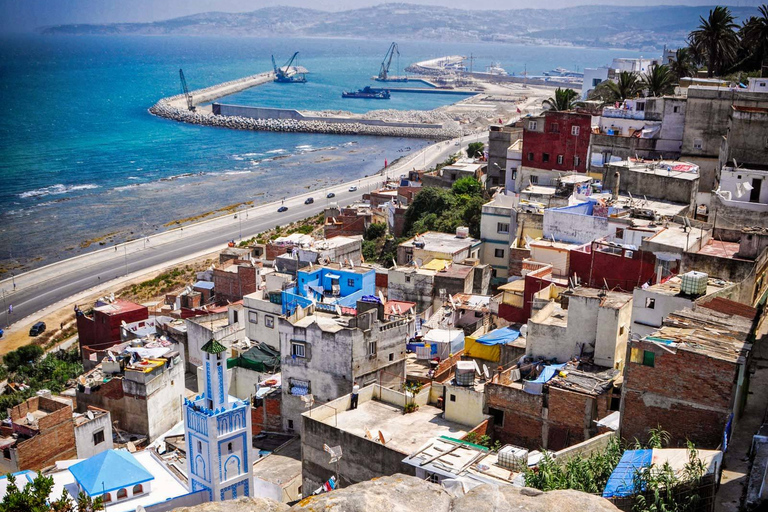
309, 200
1, 333
330, 194
353, 188
37, 329
282, 209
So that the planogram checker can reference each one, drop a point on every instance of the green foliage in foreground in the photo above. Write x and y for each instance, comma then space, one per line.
438, 209
35, 495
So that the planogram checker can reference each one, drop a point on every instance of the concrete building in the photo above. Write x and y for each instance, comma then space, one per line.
143, 395
261, 314
93, 432
677, 182
434, 245
411, 284
651, 305
41, 431
324, 354
303, 250
350, 221
557, 254
234, 281
587, 323
741, 198
278, 474
594, 76
500, 138
745, 140
201, 329
557, 141
690, 377
497, 235
446, 176
375, 438
99, 328
708, 109
513, 163
557, 407
650, 128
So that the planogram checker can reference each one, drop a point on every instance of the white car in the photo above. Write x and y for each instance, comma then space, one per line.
353, 188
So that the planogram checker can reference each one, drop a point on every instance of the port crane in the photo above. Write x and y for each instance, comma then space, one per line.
190, 105
289, 73
384, 71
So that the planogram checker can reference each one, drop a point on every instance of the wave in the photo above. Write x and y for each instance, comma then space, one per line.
274, 151
56, 190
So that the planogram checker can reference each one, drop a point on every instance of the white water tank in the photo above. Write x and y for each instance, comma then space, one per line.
694, 283
462, 232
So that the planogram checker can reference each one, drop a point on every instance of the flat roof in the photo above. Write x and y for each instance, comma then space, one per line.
673, 285
281, 466
119, 306
402, 432
442, 242
720, 249
671, 169
610, 299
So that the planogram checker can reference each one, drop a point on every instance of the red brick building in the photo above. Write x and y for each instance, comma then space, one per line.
265, 413
557, 141
100, 328
690, 378
561, 414
235, 281
42, 431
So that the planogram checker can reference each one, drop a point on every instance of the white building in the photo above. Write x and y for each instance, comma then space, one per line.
514, 162
744, 188
497, 233
217, 430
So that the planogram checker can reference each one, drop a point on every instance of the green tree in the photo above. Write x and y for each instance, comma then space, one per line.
34, 497
683, 64
22, 356
466, 186
658, 81
754, 40
626, 86
716, 40
475, 149
375, 231
564, 99
428, 200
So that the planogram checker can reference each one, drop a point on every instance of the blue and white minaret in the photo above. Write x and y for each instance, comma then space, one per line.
218, 434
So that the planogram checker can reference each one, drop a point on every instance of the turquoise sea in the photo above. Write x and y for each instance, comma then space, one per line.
82, 158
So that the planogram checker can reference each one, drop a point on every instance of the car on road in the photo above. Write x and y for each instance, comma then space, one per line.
309, 200
282, 209
330, 194
353, 188
37, 329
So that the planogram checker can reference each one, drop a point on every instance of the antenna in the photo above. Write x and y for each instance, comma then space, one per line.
394, 264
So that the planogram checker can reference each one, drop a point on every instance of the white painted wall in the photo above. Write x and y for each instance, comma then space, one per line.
730, 178
464, 405
260, 319
647, 320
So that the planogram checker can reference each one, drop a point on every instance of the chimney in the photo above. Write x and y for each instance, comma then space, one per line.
616, 182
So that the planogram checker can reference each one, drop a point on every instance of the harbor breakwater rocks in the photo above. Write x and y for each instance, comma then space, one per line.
167, 108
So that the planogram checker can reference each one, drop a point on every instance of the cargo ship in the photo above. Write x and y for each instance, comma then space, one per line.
367, 92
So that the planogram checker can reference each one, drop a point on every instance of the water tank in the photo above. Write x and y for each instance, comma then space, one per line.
462, 232
513, 458
694, 283
465, 373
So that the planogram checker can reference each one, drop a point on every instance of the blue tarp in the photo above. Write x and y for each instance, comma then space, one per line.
109, 471
622, 480
499, 336
535, 387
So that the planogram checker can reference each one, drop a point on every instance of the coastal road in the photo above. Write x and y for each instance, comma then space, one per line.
36, 293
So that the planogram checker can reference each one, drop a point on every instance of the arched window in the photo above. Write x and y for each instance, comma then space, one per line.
122, 494
229, 447
199, 446
138, 489
106, 498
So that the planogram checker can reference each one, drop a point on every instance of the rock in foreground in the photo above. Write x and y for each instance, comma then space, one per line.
404, 493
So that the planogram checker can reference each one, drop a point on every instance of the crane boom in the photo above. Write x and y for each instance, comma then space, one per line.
288, 74
384, 71
190, 105
274, 64
288, 65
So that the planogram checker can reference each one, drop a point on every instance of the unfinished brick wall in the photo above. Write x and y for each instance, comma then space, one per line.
267, 417
232, 286
55, 439
523, 421
570, 418
687, 394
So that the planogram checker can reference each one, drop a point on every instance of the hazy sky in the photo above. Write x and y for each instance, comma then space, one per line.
26, 15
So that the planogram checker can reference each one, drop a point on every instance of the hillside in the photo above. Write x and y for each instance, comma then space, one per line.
598, 26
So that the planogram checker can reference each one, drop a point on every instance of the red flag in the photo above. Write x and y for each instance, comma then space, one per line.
518, 110
385, 162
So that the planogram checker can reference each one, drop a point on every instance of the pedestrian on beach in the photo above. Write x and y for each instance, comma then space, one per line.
355, 391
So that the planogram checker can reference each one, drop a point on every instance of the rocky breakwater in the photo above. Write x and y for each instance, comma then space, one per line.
167, 108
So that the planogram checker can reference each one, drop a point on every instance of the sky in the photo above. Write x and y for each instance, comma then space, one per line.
27, 15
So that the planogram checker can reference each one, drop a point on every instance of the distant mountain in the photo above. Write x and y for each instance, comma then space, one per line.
593, 25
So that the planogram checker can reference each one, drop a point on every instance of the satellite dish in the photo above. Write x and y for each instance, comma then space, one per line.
335, 452
394, 264
338, 310
477, 368
486, 372
381, 297
30, 418
111, 297
89, 415
122, 322
309, 400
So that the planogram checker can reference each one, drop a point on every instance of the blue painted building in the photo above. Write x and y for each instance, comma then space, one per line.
218, 434
331, 284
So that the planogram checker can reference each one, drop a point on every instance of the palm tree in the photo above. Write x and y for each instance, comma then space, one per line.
564, 99
683, 65
627, 85
716, 39
754, 36
658, 81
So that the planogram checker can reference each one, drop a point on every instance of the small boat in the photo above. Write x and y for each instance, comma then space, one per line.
496, 69
367, 92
